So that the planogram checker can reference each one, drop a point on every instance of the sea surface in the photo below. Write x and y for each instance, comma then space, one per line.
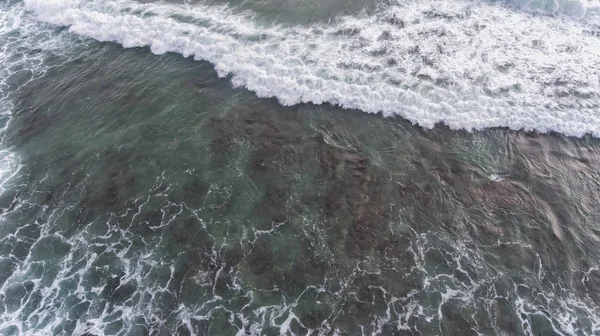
299, 167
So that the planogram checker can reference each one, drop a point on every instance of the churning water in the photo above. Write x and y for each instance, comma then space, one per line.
207, 168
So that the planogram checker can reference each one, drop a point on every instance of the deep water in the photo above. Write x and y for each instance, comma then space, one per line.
143, 194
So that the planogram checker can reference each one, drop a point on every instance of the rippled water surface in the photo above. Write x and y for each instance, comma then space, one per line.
242, 190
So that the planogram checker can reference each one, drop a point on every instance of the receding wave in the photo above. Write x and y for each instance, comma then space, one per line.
467, 65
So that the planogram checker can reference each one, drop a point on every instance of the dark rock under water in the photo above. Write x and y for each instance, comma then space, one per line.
186, 206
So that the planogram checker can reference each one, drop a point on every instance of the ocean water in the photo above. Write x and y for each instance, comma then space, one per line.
299, 168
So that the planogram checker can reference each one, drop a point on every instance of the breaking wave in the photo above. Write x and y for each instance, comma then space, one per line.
468, 65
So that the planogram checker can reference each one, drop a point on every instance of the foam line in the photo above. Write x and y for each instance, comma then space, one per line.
468, 65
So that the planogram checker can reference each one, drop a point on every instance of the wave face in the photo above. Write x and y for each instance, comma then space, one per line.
468, 65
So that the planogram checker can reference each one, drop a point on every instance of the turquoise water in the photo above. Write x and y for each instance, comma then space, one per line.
144, 194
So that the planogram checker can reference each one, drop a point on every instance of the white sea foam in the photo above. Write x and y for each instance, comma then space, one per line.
24, 45
468, 65
483, 76
10, 20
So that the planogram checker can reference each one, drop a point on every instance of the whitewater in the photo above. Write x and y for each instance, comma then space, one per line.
467, 64
135, 200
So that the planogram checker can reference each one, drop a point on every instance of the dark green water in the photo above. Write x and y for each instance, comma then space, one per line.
153, 198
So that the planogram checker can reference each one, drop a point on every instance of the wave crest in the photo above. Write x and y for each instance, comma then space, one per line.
467, 65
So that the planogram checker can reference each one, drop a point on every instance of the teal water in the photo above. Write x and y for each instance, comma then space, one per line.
143, 194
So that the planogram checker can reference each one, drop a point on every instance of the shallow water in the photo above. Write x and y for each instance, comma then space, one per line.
143, 194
